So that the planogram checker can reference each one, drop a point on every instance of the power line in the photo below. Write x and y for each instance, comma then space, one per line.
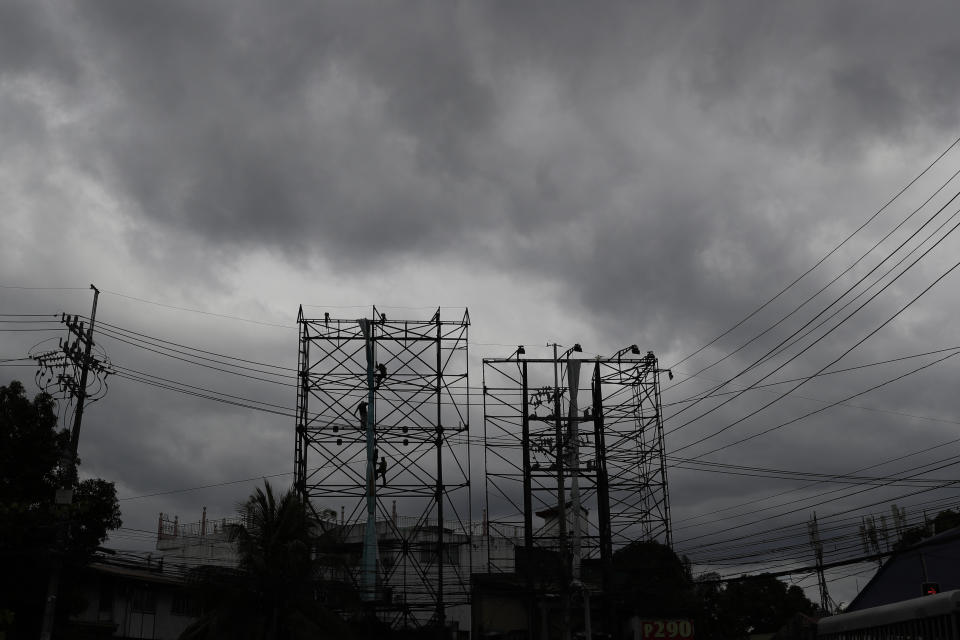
837, 277
944, 463
847, 351
765, 386
221, 356
825, 257
821, 409
867, 468
200, 311
776, 349
7, 286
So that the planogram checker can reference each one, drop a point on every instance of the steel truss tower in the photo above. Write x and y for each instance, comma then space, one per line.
382, 435
574, 455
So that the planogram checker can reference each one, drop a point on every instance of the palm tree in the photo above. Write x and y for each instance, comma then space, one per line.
271, 595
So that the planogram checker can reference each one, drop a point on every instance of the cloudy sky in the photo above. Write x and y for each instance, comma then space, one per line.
607, 174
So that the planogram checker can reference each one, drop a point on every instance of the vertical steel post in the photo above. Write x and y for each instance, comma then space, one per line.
369, 575
303, 395
662, 458
441, 611
603, 492
525, 444
527, 502
573, 437
561, 500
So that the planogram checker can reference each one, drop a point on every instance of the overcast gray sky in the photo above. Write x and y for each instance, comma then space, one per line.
602, 173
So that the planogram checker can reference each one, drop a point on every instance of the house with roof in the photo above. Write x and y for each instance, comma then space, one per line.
932, 564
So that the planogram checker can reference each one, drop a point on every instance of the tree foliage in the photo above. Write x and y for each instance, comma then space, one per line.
761, 604
273, 592
651, 581
31, 452
748, 605
944, 521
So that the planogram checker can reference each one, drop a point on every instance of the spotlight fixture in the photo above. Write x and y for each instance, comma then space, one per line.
576, 348
633, 349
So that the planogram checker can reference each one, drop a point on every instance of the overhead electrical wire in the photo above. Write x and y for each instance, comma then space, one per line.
780, 347
821, 409
766, 386
170, 353
941, 464
835, 548
807, 331
200, 392
753, 502
802, 476
844, 353
835, 278
753, 535
198, 311
952, 461
230, 482
219, 357
775, 349
825, 256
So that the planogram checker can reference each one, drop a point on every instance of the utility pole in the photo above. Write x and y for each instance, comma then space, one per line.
818, 555
68, 475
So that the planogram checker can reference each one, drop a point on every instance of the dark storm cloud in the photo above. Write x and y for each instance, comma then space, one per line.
270, 129
646, 172
367, 133
33, 44
310, 127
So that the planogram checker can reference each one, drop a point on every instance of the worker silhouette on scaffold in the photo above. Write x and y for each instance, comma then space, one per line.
381, 375
362, 413
382, 471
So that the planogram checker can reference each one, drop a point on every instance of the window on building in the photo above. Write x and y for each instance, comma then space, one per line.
451, 554
106, 595
184, 605
143, 600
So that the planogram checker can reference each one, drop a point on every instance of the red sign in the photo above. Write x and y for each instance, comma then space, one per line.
667, 629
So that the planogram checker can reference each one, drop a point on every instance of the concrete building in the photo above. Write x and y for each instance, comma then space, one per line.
127, 599
406, 569
148, 599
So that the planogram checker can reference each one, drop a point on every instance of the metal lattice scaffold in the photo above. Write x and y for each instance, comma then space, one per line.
382, 436
574, 453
